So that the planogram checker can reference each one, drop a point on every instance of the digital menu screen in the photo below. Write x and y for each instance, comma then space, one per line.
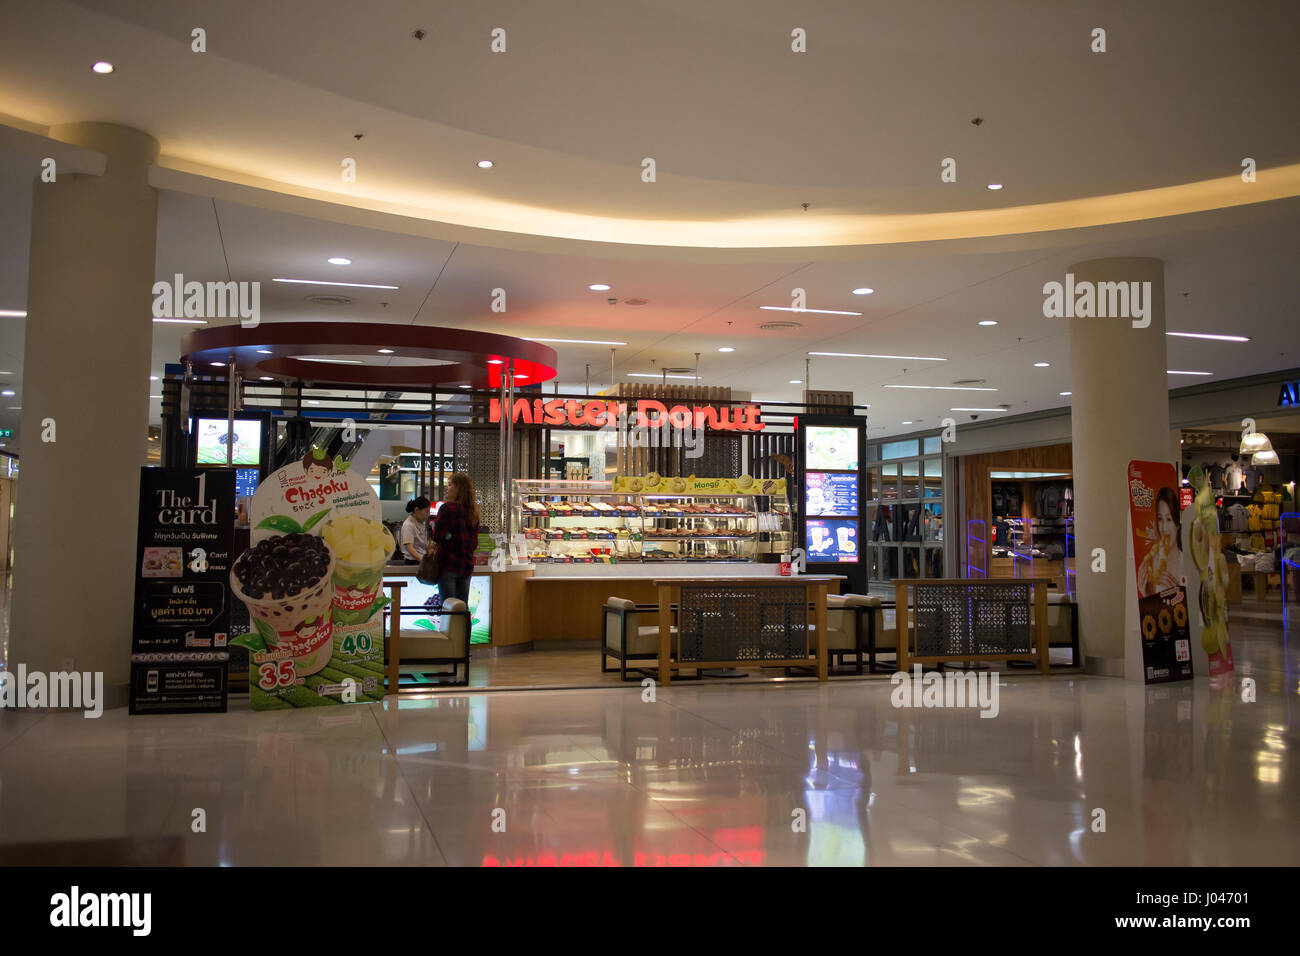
245, 482
211, 441
830, 448
831, 493
832, 540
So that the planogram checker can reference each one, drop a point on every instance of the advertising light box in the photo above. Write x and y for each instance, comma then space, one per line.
830, 448
831, 493
211, 441
831, 540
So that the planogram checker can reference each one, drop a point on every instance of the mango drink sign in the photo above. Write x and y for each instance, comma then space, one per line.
312, 582
1158, 558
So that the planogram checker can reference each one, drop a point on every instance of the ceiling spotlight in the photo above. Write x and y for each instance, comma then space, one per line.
485, 164
995, 186
339, 261
599, 287
103, 66
863, 291
726, 348
1042, 365
988, 321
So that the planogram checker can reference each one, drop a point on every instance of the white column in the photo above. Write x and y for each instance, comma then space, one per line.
1120, 412
85, 369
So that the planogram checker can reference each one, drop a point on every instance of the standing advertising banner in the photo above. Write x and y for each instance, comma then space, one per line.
312, 581
1158, 558
1210, 585
179, 654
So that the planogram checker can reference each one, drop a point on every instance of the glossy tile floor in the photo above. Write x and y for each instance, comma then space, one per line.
706, 775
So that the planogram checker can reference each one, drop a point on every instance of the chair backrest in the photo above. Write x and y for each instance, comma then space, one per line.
615, 622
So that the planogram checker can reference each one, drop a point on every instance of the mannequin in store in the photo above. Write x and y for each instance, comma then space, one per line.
415, 530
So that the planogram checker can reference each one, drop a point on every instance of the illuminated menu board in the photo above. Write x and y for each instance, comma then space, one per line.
830, 493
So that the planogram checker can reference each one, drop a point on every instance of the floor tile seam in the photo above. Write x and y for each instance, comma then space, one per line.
958, 829
392, 754
690, 826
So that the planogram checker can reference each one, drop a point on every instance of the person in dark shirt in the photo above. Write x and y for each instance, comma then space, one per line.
455, 531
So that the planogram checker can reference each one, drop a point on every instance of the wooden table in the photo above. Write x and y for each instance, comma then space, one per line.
816, 588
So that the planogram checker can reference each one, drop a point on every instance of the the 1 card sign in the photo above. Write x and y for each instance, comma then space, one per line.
179, 655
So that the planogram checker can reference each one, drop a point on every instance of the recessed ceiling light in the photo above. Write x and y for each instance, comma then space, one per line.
599, 287
995, 186
174, 321
153, 378
988, 321
977, 409
796, 381
1172, 372
1186, 335
495, 362
906, 423
350, 285
263, 351
787, 308
217, 364
1066, 393
1042, 365
910, 358
726, 348
267, 378
863, 291
575, 341
385, 351
485, 164
947, 388
12, 314
339, 261
102, 66
8, 393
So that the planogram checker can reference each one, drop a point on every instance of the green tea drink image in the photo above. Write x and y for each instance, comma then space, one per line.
361, 549
286, 584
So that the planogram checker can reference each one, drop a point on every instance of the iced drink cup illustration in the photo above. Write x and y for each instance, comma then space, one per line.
286, 583
361, 549
821, 538
847, 544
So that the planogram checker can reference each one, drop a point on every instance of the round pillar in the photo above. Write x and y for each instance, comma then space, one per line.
1120, 412
86, 365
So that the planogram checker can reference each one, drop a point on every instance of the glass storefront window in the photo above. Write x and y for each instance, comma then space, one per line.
932, 445
910, 487
933, 483
899, 449
889, 483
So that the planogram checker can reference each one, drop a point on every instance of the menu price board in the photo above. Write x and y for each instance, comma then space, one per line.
831, 493
830, 448
182, 604
832, 540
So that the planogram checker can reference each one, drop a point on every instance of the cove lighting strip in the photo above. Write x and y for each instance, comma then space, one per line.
947, 388
906, 358
787, 308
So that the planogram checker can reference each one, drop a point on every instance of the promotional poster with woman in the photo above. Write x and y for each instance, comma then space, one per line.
312, 582
1158, 557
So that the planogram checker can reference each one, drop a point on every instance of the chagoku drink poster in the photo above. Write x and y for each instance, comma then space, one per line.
312, 582
1158, 558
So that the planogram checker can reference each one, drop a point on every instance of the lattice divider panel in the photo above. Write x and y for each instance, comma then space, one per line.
477, 452
741, 623
972, 617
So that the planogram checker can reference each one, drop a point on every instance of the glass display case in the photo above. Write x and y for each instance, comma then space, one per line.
586, 522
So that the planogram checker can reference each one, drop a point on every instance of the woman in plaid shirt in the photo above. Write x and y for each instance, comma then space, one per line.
455, 530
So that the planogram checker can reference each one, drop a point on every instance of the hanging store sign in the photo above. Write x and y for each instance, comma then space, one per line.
649, 413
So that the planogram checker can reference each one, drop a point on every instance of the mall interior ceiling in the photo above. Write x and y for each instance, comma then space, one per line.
714, 179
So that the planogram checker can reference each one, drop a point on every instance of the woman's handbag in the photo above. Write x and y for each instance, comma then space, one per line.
427, 572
